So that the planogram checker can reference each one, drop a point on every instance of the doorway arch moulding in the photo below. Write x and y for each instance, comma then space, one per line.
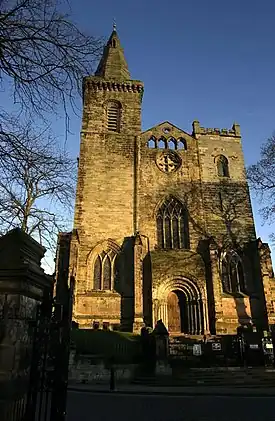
192, 306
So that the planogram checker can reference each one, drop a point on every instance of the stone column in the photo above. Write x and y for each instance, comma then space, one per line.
138, 284
155, 311
23, 285
163, 313
200, 316
205, 317
191, 317
160, 312
165, 320
195, 312
188, 316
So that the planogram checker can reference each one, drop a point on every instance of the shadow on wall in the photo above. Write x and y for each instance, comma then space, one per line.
258, 303
233, 229
124, 283
147, 290
203, 250
243, 317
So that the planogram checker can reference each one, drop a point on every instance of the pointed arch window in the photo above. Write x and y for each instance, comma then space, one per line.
172, 225
222, 166
97, 273
107, 273
182, 144
172, 143
232, 273
114, 116
167, 143
162, 144
105, 270
151, 143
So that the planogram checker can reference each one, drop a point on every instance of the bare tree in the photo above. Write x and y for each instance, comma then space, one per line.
37, 181
261, 178
43, 58
43, 55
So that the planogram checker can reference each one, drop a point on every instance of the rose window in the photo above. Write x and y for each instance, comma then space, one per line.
168, 161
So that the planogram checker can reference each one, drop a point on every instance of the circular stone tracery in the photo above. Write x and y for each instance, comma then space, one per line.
168, 161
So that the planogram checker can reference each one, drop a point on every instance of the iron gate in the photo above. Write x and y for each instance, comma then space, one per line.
47, 393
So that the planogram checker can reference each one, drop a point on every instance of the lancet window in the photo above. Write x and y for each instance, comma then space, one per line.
222, 166
232, 273
114, 116
172, 225
104, 270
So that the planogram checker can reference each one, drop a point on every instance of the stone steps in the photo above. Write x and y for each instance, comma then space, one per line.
236, 378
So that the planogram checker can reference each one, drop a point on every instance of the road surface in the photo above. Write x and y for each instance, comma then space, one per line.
87, 406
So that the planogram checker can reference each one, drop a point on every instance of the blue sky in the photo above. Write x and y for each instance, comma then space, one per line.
208, 60
211, 61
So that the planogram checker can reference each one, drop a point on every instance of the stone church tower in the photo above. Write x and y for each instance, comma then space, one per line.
163, 225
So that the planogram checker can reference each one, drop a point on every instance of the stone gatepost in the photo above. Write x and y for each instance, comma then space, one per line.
162, 349
23, 284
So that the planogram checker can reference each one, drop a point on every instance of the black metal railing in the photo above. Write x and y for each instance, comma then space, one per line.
47, 394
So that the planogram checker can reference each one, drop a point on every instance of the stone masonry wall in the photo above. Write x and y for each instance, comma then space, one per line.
105, 205
120, 188
84, 369
199, 187
228, 217
234, 190
154, 185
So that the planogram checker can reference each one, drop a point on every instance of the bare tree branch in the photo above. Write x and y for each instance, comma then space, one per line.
37, 182
43, 54
261, 178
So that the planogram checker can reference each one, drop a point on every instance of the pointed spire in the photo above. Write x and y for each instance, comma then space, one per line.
113, 64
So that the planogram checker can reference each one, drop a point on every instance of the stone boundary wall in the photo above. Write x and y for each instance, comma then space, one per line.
90, 369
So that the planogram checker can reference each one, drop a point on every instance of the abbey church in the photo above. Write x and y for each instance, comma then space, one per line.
163, 225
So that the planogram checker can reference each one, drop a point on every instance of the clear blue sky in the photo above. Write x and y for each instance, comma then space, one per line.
208, 60
205, 60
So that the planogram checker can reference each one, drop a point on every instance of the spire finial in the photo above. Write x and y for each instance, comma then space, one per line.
114, 24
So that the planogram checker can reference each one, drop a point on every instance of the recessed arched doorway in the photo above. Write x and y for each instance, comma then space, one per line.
180, 306
176, 309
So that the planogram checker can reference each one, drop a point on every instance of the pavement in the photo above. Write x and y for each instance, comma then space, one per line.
199, 390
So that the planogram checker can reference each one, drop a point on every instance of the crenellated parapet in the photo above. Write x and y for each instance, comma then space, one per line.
99, 84
233, 132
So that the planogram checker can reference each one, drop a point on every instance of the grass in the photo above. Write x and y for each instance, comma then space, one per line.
121, 346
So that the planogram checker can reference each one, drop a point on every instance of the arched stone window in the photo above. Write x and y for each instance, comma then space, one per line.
171, 143
97, 273
232, 273
172, 225
104, 270
113, 116
107, 273
151, 143
162, 144
181, 144
222, 166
